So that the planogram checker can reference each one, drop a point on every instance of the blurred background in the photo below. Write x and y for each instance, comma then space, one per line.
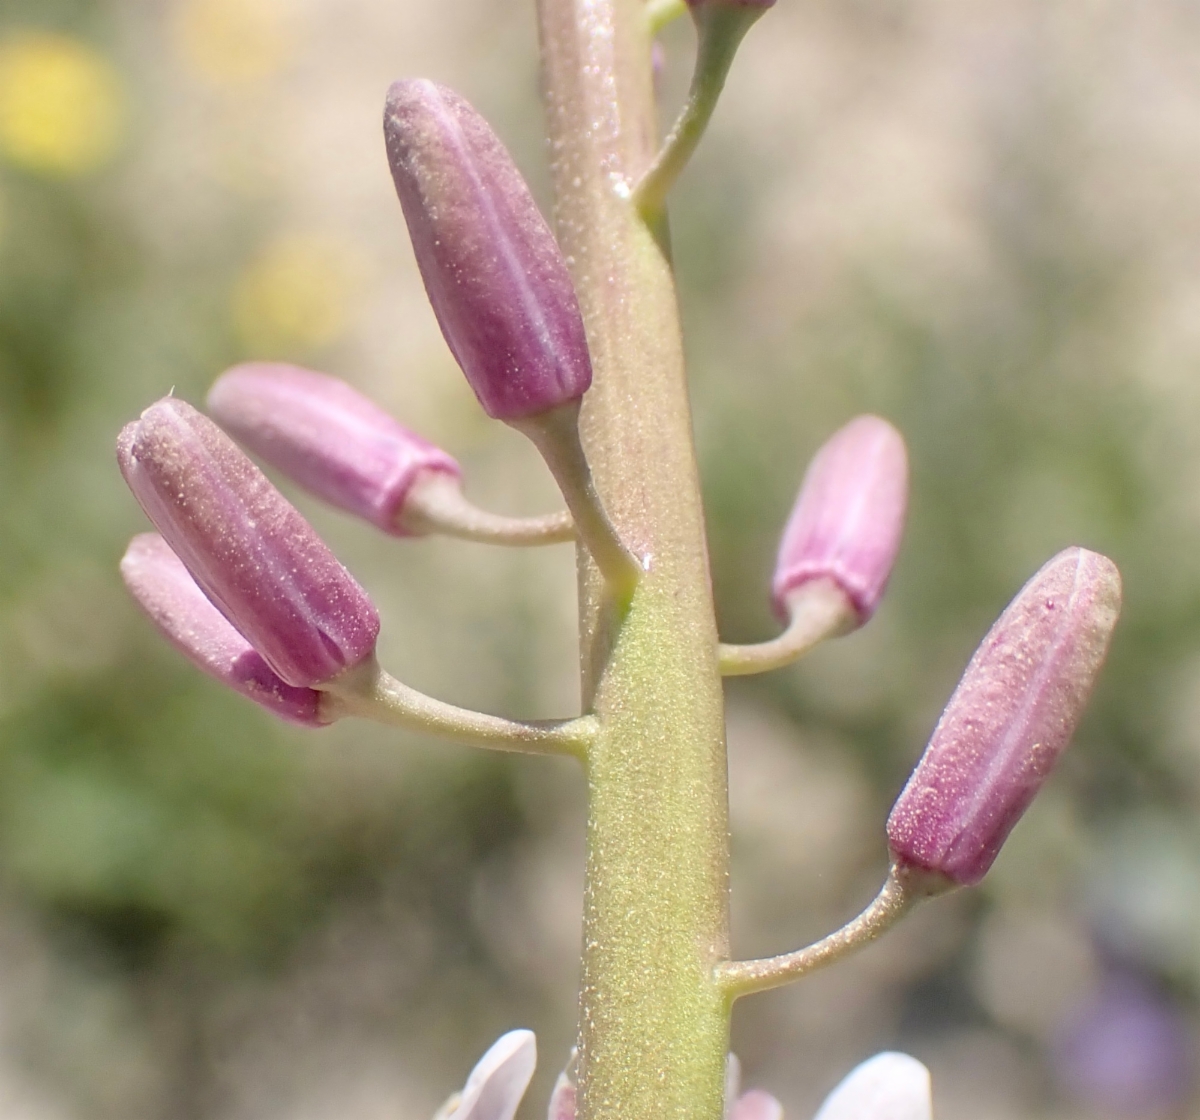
980, 220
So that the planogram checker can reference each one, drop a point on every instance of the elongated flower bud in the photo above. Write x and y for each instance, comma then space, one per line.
494, 273
165, 590
848, 519
1012, 715
252, 553
326, 436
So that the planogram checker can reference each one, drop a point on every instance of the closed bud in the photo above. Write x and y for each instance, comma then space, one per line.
1012, 715
327, 437
252, 553
165, 590
848, 518
494, 273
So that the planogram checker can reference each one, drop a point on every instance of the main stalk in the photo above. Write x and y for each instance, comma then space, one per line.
653, 1024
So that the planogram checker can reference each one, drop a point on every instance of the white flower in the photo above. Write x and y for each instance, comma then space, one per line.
889, 1086
497, 1083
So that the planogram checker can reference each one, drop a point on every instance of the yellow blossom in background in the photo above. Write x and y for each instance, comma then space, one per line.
61, 105
296, 294
234, 41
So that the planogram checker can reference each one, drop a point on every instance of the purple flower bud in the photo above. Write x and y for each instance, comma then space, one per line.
1012, 715
165, 590
847, 521
326, 436
262, 565
494, 273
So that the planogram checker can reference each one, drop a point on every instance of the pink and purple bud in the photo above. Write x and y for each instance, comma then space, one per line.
327, 437
848, 518
494, 273
165, 590
1012, 715
251, 552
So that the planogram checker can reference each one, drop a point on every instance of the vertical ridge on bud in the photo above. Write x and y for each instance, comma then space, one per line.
1012, 715
494, 273
328, 437
252, 553
849, 516
165, 590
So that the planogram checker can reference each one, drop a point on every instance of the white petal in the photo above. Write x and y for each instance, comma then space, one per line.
889, 1086
733, 1082
757, 1105
497, 1084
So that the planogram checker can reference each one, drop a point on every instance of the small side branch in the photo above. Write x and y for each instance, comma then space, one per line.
721, 29
904, 888
556, 436
369, 692
819, 609
436, 504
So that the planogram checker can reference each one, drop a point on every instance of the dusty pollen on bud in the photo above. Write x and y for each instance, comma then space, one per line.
250, 551
848, 518
165, 590
1010, 718
493, 271
327, 436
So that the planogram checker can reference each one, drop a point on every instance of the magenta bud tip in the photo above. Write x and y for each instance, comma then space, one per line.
495, 276
165, 590
1012, 715
849, 516
251, 552
326, 436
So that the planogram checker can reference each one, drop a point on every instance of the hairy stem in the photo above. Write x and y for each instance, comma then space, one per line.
373, 694
721, 29
819, 610
556, 436
436, 504
903, 889
653, 1021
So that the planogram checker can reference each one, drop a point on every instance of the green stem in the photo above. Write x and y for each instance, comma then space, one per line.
371, 693
818, 610
721, 29
904, 888
556, 436
436, 504
654, 1024
659, 13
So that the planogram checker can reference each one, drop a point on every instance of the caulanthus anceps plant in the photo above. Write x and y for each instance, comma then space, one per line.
571, 335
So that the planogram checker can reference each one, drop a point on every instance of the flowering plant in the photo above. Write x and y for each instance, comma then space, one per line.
575, 342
